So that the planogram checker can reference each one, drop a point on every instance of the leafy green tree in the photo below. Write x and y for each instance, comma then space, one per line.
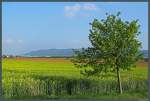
115, 47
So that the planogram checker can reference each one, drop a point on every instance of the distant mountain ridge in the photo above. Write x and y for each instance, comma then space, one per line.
60, 53
50, 53
145, 53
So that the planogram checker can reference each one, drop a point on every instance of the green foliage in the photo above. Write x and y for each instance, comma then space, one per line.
114, 45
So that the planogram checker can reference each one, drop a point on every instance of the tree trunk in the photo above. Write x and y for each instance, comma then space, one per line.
119, 81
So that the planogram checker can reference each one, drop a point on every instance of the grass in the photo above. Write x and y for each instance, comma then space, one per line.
40, 68
55, 79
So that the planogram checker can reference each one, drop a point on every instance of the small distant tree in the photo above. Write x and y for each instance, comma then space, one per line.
115, 47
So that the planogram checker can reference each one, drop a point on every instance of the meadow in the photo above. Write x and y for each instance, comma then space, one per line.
57, 78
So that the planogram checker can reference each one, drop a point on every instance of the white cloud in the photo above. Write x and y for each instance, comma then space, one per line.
89, 6
20, 41
71, 11
10, 41
74, 8
69, 14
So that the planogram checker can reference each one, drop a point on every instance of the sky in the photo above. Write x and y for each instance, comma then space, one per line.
29, 26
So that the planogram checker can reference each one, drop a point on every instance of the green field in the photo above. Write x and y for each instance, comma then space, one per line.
49, 78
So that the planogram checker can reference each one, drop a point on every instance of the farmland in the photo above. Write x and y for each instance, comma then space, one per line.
54, 78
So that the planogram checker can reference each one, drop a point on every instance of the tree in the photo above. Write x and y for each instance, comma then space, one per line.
115, 47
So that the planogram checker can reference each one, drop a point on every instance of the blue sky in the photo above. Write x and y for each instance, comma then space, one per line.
32, 26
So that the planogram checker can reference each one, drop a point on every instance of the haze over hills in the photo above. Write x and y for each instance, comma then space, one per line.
50, 53
145, 53
59, 53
